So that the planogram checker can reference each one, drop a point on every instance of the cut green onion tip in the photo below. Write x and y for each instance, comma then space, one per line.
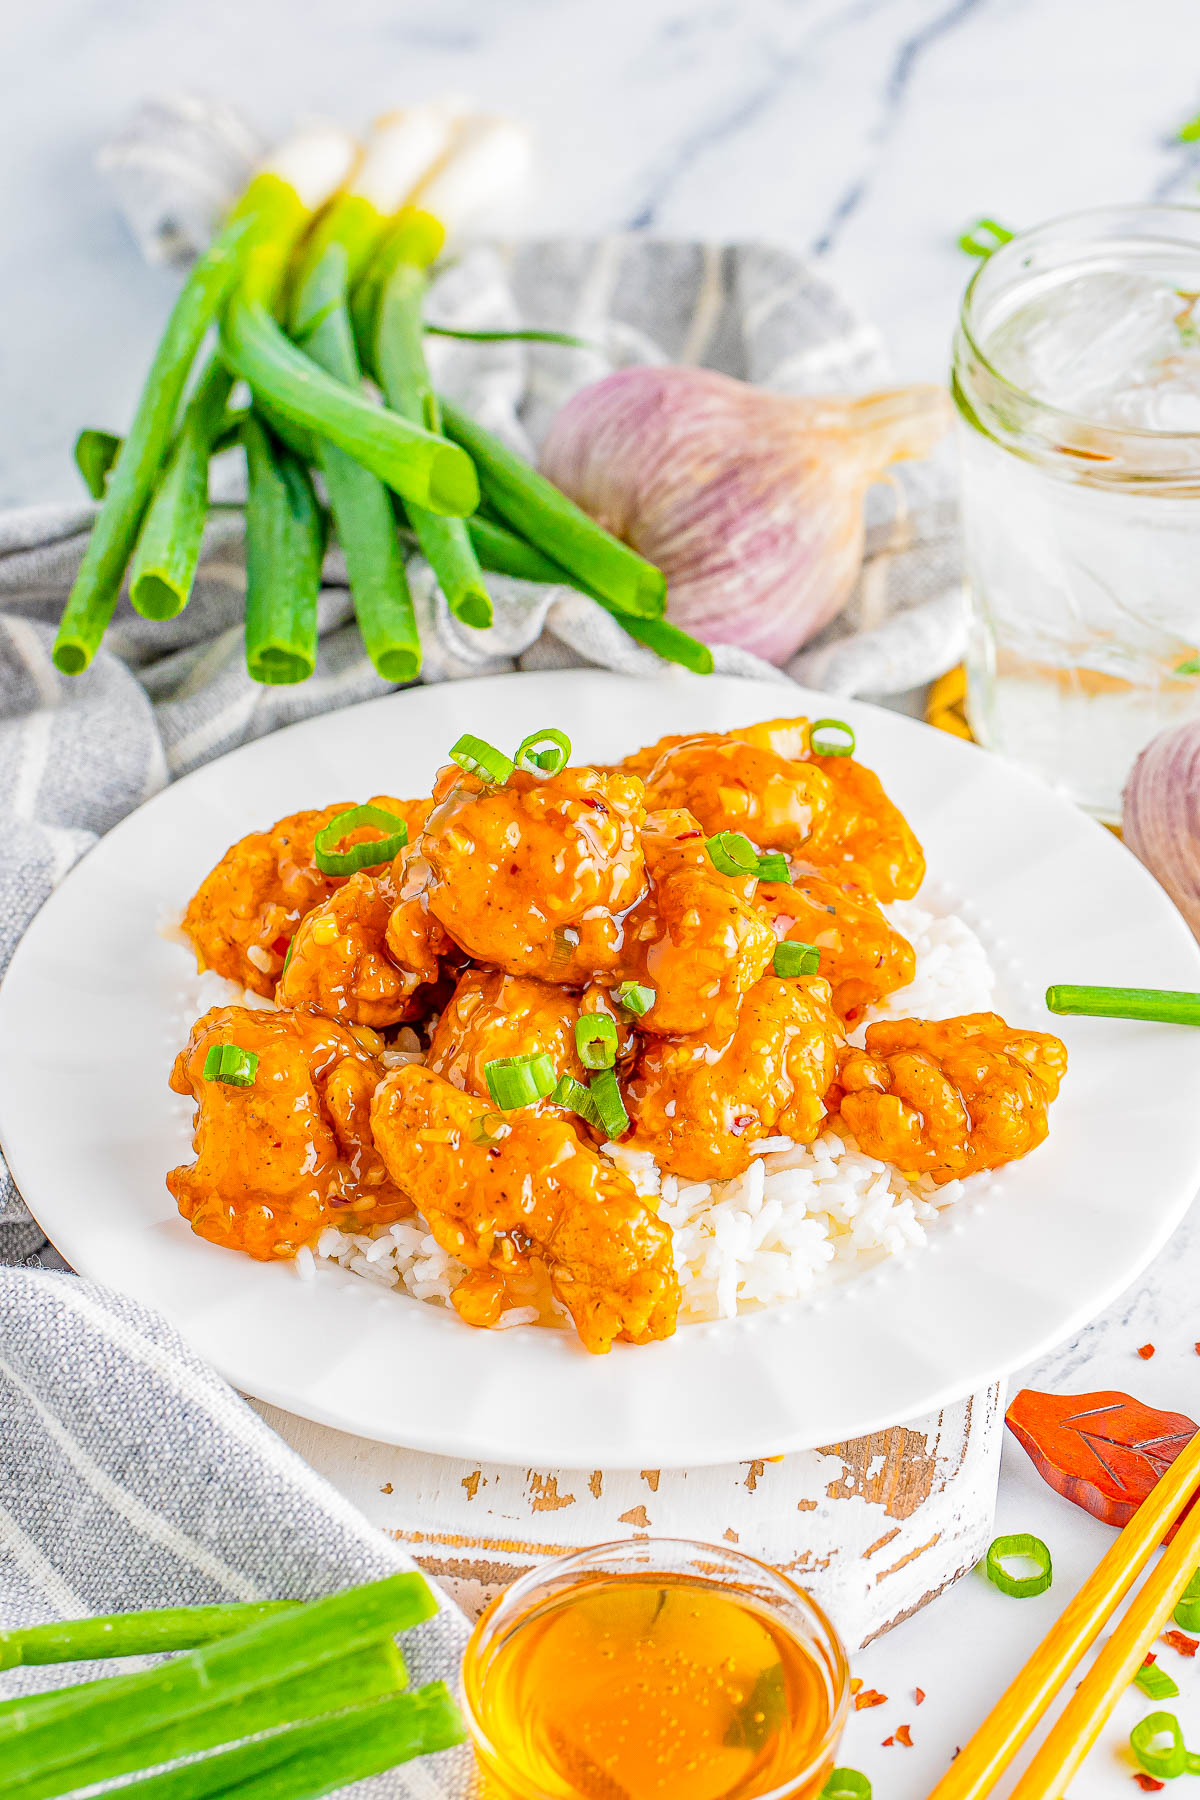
332, 861
231, 1065
610, 1107
1156, 1682
1167, 1006
482, 759
95, 454
828, 746
635, 999
1163, 1761
846, 1784
596, 1040
515, 1081
1019, 1544
547, 751
576, 1098
792, 958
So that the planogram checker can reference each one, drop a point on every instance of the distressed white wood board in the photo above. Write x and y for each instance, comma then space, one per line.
874, 1528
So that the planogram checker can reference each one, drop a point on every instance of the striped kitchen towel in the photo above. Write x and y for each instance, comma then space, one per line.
132, 1476
77, 754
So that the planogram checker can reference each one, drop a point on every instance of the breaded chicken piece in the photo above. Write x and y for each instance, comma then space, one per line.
697, 939
243, 915
699, 1103
863, 957
532, 876
279, 1159
363, 955
948, 1097
537, 1195
851, 821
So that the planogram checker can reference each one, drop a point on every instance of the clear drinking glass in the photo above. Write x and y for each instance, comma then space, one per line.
1077, 381
655, 1669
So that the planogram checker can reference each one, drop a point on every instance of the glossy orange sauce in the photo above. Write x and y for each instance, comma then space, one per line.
654, 1687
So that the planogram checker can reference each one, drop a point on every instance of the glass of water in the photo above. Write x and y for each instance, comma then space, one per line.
1077, 382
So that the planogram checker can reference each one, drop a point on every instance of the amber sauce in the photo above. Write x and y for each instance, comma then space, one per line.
652, 1687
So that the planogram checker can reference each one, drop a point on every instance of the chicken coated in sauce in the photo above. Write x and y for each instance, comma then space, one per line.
491, 1015
699, 1104
863, 957
244, 914
535, 876
697, 939
363, 955
949, 1097
277, 1160
537, 1197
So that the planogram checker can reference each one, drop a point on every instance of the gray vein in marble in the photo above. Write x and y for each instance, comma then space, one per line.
899, 83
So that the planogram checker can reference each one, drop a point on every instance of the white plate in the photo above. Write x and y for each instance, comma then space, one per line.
91, 1014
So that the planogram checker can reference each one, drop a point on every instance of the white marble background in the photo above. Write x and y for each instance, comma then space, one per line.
867, 131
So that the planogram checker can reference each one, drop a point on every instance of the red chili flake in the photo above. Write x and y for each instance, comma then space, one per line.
742, 1123
1149, 1660
869, 1697
685, 835
919, 1696
1179, 1640
1148, 1784
904, 1736
281, 946
1196, 1348
1145, 1351
888, 1742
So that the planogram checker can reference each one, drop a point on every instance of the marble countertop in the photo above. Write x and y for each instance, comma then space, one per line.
868, 132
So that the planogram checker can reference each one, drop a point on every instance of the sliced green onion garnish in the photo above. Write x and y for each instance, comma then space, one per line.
515, 1081
231, 1064
610, 1108
487, 1129
1163, 1761
830, 746
596, 1040
984, 236
773, 866
576, 1098
1167, 1005
1156, 1682
1022, 1544
731, 853
1189, 666
482, 759
547, 750
846, 1784
795, 959
1189, 133
1187, 1612
288, 958
635, 999
332, 861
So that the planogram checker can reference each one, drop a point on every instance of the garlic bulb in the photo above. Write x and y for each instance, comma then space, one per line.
1161, 815
750, 503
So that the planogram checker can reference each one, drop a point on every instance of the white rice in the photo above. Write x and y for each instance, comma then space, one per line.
800, 1217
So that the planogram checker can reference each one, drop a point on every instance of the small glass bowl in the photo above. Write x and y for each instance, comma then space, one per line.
717, 1566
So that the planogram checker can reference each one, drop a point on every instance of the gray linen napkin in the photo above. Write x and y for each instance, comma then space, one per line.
132, 1476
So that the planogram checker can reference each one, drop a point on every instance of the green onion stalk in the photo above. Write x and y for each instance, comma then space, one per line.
168, 549
285, 546
278, 204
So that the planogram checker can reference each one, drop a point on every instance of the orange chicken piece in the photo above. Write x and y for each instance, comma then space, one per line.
862, 957
697, 939
532, 876
279, 1159
536, 1197
949, 1097
363, 955
699, 1103
243, 915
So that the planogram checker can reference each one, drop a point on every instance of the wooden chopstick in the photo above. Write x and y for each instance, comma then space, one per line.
982, 1760
1084, 1715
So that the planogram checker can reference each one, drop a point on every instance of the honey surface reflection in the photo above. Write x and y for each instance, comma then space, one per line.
652, 1686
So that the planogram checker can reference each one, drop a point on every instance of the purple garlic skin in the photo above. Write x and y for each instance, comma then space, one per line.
1160, 816
751, 503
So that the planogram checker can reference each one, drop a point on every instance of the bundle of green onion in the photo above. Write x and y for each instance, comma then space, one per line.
316, 283
282, 1701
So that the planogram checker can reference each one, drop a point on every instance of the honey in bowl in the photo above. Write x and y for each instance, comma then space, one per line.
655, 1671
